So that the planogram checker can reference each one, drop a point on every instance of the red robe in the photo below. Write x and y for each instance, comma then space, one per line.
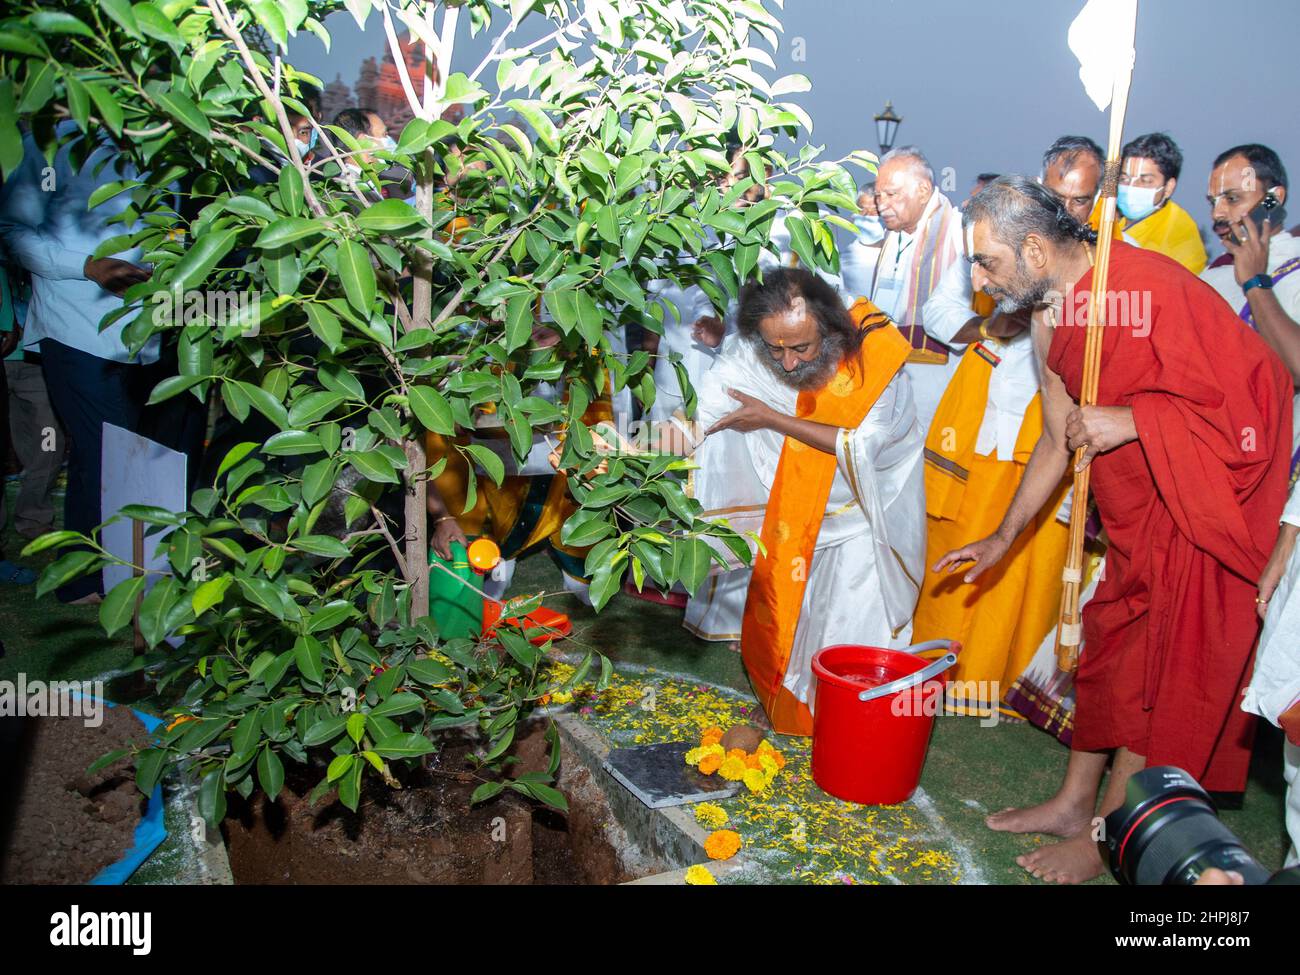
1191, 510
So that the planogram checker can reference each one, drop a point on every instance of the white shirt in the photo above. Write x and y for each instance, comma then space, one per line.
894, 269
1282, 247
1013, 383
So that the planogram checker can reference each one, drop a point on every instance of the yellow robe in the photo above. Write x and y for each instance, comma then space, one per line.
1003, 616
1171, 231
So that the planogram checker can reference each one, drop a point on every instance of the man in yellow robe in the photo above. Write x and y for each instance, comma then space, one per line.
1148, 177
975, 455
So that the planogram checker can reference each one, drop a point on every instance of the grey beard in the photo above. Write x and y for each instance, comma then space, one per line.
813, 374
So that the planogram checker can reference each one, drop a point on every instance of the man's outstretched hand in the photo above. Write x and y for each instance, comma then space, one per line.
114, 275
753, 414
985, 553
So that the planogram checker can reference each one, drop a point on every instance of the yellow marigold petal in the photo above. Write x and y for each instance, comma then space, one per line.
699, 876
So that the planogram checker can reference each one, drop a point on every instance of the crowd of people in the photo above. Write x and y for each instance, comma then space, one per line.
899, 435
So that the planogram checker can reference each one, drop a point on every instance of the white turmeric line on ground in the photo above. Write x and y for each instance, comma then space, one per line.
970, 870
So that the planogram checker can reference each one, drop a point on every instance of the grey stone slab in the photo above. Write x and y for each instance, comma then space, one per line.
659, 776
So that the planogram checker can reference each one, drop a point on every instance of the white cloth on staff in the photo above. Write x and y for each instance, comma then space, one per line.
1275, 684
863, 581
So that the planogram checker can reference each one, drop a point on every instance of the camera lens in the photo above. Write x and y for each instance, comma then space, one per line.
1167, 832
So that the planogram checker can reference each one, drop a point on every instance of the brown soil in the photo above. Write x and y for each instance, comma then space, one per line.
68, 826
427, 833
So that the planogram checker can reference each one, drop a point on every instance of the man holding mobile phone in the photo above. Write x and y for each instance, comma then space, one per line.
1248, 195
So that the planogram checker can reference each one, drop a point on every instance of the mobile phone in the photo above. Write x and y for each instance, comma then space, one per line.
1270, 209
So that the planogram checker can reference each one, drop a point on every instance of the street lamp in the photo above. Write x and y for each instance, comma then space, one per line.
887, 127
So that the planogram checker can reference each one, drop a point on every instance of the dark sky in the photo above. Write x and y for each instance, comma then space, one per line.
987, 86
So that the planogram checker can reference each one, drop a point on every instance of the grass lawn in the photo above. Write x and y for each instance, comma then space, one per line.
939, 837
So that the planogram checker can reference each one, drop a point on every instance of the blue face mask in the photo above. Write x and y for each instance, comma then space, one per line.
871, 230
308, 146
1136, 202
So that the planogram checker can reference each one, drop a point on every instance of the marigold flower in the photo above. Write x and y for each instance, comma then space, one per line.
755, 780
722, 844
753, 761
699, 876
694, 755
710, 764
711, 736
739, 753
767, 763
711, 815
732, 769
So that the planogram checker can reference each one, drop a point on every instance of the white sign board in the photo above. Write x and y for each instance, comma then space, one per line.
137, 471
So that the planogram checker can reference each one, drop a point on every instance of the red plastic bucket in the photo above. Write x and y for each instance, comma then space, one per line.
872, 752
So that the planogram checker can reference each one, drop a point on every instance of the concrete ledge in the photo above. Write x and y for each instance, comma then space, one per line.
670, 834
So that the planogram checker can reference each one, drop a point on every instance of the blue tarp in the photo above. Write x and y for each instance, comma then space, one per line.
150, 832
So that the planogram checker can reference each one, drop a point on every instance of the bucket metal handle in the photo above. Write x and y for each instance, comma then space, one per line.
929, 672
931, 645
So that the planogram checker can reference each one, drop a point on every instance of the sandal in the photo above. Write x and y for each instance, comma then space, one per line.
15, 574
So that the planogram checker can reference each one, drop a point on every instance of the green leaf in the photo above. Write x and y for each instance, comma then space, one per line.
432, 410
356, 726
551, 796
65, 569
374, 466
287, 230
291, 443
357, 275
51, 540
350, 787
388, 216
324, 545
210, 594
339, 766
398, 704
58, 22
486, 791
149, 764
270, 772
182, 108
325, 324
327, 729
405, 746
118, 606
307, 654
330, 615
488, 460
519, 321
312, 407
291, 191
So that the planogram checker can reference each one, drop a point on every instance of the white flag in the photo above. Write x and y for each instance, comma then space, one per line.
1101, 37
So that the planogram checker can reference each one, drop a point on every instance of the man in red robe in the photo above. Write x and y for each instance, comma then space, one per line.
1190, 444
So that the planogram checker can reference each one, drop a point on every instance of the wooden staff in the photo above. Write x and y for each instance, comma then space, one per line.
1069, 632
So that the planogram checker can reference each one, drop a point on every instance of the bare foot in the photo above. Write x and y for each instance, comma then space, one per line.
733, 646
1071, 861
1055, 816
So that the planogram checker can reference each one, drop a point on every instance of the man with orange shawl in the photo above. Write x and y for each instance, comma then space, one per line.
1189, 444
830, 480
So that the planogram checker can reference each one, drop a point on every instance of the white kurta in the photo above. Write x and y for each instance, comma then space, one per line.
864, 578
1275, 684
893, 272
1282, 247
